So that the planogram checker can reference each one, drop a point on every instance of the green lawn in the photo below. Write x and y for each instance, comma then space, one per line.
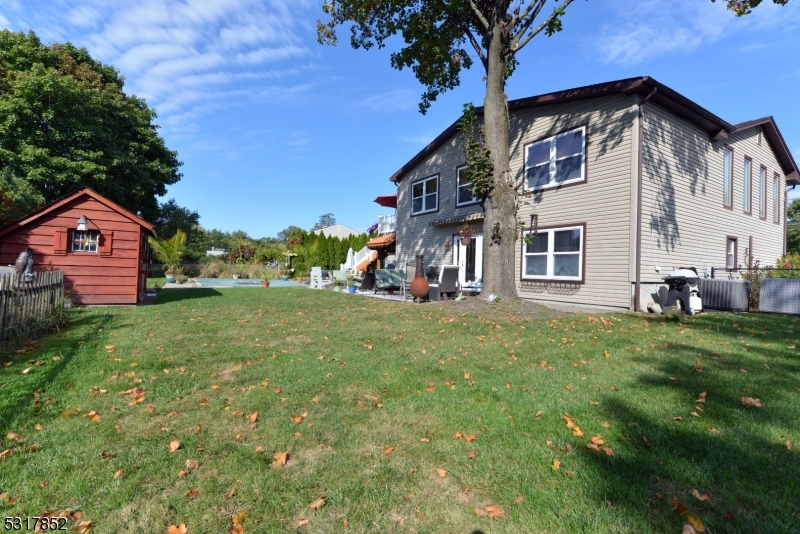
156, 282
335, 380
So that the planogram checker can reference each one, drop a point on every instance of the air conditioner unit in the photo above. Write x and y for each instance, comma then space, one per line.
779, 295
727, 295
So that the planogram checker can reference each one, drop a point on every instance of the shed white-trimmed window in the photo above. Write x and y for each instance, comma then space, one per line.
557, 160
554, 254
85, 240
425, 195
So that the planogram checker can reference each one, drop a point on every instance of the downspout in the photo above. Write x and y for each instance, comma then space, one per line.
638, 286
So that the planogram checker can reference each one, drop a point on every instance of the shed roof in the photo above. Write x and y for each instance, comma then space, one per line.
642, 85
68, 198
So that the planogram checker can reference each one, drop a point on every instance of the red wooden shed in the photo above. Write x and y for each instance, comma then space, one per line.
100, 246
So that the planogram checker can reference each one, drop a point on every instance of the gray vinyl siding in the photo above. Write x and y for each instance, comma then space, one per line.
603, 203
684, 222
415, 235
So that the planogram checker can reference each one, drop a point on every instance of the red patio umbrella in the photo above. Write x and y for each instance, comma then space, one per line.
388, 201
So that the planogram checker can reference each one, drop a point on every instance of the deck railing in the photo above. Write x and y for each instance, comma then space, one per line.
25, 307
387, 224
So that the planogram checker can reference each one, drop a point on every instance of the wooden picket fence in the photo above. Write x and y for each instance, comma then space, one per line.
25, 307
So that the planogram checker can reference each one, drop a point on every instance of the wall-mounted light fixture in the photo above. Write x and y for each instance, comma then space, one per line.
82, 224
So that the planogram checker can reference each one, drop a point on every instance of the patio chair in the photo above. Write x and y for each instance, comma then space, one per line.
448, 280
389, 280
340, 276
316, 279
411, 269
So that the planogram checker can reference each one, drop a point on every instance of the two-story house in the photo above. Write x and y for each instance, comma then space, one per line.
621, 182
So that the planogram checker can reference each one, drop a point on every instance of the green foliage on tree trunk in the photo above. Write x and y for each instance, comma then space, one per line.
480, 171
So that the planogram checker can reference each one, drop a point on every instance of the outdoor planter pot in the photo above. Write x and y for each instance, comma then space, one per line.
466, 241
265, 283
351, 289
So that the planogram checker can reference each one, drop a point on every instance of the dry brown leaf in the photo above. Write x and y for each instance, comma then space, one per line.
297, 419
556, 465
431, 387
677, 418
192, 493
239, 517
696, 523
441, 472
519, 499
13, 435
119, 474
788, 445
471, 455
82, 526
470, 438
687, 529
537, 416
701, 397
597, 440
301, 523
605, 424
495, 511
231, 493
592, 446
679, 507
236, 529
608, 450
577, 432
191, 465
701, 496
280, 458
318, 503
259, 449
388, 450
174, 445
253, 417
750, 402
177, 529
5, 454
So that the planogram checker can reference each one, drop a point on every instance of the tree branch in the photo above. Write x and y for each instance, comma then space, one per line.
476, 46
543, 25
477, 12
527, 19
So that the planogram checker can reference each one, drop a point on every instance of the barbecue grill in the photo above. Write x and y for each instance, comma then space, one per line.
684, 292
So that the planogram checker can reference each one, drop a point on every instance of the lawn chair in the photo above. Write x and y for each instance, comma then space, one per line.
389, 280
411, 270
448, 280
340, 276
316, 279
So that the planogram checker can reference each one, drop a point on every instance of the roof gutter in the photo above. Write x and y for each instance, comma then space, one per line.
638, 285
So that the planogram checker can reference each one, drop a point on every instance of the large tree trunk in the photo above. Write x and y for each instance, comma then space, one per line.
500, 209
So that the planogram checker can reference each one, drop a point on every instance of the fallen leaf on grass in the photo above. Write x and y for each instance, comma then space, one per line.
701, 496
5, 454
556, 465
441, 472
192, 493
301, 523
750, 402
280, 458
678, 418
679, 507
519, 499
297, 419
701, 397
597, 440
177, 529
431, 387
494, 511
236, 529
318, 503
696, 523
231, 493
253, 417
259, 449
93, 416
471, 455
388, 450
174, 445
83, 526
537, 416
788, 445
605, 424
470, 438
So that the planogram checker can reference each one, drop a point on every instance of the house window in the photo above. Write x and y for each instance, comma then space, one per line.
730, 254
748, 175
727, 179
555, 254
463, 195
557, 160
425, 195
776, 200
762, 193
84, 241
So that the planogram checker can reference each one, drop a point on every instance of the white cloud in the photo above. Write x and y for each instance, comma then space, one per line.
185, 57
396, 100
417, 139
654, 28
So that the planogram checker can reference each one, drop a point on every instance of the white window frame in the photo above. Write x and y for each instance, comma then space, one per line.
776, 199
425, 194
81, 244
551, 254
762, 192
730, 253
727, 177
747, 202
552, 171
459, 187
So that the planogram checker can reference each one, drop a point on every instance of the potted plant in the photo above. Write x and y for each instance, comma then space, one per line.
351, 283
432, 273
265, 277
169, 252
465, 231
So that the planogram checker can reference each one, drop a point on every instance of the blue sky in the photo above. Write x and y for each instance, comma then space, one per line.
274, 129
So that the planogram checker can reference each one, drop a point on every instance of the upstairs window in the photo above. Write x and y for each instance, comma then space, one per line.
748, 180
84, 241
776, 199
556, 161
727, 178
762, 193
425, 195
463, 195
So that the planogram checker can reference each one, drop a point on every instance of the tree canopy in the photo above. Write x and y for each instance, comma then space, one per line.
745, 7
65, 122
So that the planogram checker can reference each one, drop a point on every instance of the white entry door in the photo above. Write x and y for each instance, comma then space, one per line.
469, 259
